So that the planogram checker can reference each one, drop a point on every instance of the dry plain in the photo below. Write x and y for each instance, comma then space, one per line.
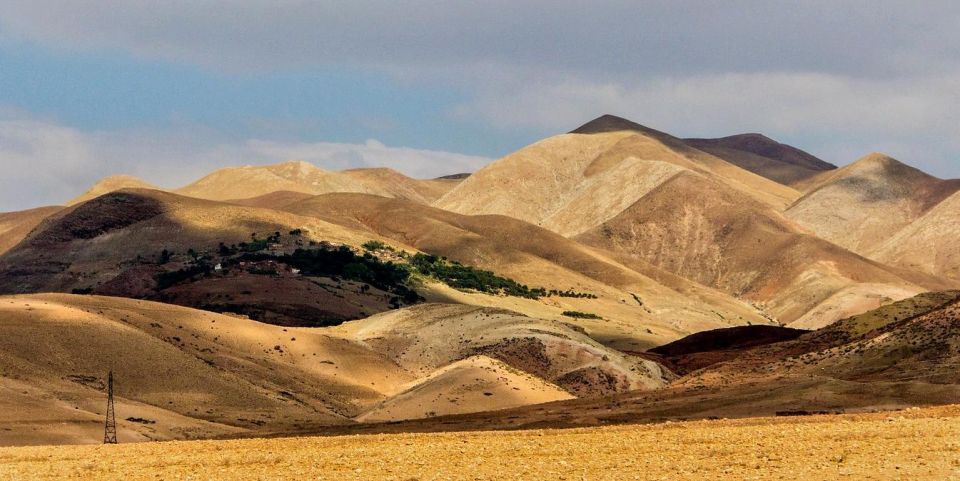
916, 444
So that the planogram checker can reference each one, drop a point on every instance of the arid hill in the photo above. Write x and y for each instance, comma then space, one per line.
912, 340
162, 246
701, 229
648, 196
216, 256
636, 309
859, 206
573, 182
764, 156
299, 176
14, 226
896, 357
929, 244
92, 243
182, 373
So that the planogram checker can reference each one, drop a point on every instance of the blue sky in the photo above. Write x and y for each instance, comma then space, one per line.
170, 90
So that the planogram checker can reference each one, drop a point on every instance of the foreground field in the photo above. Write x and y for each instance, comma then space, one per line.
912, 444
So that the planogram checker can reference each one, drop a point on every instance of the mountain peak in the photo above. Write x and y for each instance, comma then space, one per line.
877, 158
759, 144
608, 123
881, 163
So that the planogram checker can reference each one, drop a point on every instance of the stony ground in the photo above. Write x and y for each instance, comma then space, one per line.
912, 445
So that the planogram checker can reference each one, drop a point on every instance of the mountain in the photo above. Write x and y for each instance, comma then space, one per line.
644, 195
639, 304
700, 229
182, 373
304, 177
14, 226
111, 184
861, 205
573, 182
229, 258
929, 244
764, 156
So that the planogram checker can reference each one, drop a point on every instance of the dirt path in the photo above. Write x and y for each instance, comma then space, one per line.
914, 444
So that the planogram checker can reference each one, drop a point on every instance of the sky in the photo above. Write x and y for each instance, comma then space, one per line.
169, 91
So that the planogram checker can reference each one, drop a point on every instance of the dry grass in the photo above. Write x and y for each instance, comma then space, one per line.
914, 444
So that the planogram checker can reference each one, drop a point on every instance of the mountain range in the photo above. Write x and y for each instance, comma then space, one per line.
611, 264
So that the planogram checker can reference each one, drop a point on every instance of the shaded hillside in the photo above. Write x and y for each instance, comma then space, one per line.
707, 348
764, 156
154, 245
570, 183
721, 238
912, 340
861, 205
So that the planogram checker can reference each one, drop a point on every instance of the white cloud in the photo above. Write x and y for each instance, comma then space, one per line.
45, 163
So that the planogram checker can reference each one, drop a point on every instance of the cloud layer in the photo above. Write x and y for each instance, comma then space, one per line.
47, 163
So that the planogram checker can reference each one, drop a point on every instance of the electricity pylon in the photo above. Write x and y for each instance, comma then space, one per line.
110, 429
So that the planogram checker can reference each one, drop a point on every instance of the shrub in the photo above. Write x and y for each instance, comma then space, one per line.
459, 276
375, 246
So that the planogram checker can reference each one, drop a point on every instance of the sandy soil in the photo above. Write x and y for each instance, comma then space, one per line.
914, 444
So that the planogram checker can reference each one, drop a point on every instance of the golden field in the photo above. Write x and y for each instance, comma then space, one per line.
911, 445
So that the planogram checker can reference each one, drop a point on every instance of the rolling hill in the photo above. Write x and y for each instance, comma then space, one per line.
639, 304
298, 176
182, 373
860, 205
163, 246
717, 237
